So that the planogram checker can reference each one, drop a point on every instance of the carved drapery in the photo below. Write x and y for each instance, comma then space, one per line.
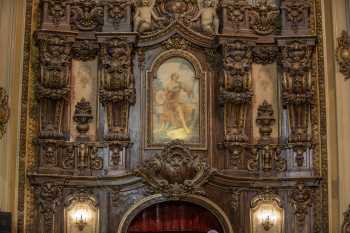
4, 111
343, 54
298, 92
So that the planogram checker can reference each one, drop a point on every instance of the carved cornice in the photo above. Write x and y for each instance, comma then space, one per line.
4, 111
343, 54
176, 171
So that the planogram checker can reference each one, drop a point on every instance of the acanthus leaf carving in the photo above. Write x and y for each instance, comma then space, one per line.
343, 54
263, 17
4, 111
176, 171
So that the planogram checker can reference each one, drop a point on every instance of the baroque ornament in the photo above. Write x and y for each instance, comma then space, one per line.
295, 11
117, 10
83, 116
4, 111
343, 54
263, 17
236, 13
57, 10
176, 171
265, 54
301, 201
87, 15
346, 224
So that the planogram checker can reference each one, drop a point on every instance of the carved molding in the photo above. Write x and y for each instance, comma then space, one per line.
4, 111
343, 54
176, 171
346, 223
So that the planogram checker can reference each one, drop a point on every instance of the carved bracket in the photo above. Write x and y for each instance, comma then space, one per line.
343, 54
176, 171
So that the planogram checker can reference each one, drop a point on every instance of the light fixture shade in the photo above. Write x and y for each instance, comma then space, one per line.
81, 215
267, 214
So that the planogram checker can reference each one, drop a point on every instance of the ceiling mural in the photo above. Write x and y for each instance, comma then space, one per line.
131, 104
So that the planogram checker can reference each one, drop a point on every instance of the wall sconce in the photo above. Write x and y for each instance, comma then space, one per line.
267, 213
81, 217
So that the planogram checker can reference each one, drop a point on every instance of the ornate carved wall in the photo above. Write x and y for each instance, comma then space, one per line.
130, 104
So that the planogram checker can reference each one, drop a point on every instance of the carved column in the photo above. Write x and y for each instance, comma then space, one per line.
48, 198
117, 92
53, 87
236, 95
297, 91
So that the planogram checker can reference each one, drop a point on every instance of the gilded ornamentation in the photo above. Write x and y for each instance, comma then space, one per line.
343, 54
83, 116
263, 17
298, 93
4, 111
176, 42
295, 12
346, 224
236, 13
87, 15
57, 10
117, 87
117, 10
301, 201
176, 171
265, 54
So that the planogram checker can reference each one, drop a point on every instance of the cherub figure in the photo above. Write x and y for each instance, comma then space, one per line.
144, 16
208, 16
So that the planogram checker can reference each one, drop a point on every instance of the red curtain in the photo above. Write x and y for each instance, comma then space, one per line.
175, 217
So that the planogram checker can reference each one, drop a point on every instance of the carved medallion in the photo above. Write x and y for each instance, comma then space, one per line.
343, 54
176, 171
4, 111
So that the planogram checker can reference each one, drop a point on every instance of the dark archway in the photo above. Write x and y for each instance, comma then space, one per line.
174, 216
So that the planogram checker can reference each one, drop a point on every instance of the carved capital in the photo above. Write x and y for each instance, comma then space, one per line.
343, 54
4, 111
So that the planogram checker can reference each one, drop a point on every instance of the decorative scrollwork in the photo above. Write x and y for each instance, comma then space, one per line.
263, 17
346, 223
87, 15
343, 54
301, 200
4, 111
176, 171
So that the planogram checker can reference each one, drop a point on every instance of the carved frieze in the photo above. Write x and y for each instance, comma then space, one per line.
4, 111
263, 17
343, 54
346, 223
117, 90
87, 15
176, 171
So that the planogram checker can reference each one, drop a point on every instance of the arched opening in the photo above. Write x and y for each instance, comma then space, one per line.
175, 216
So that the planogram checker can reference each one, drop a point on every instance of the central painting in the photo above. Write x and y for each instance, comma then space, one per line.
175, 102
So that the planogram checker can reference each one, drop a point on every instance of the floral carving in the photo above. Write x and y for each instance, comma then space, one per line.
263, 17
346, 224
343, 54
265, 54
87, 15
295, 12
83, 116
236, 13
301, 201
4, 111
176, 171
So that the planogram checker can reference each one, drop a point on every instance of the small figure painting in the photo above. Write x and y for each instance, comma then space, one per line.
175, 102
